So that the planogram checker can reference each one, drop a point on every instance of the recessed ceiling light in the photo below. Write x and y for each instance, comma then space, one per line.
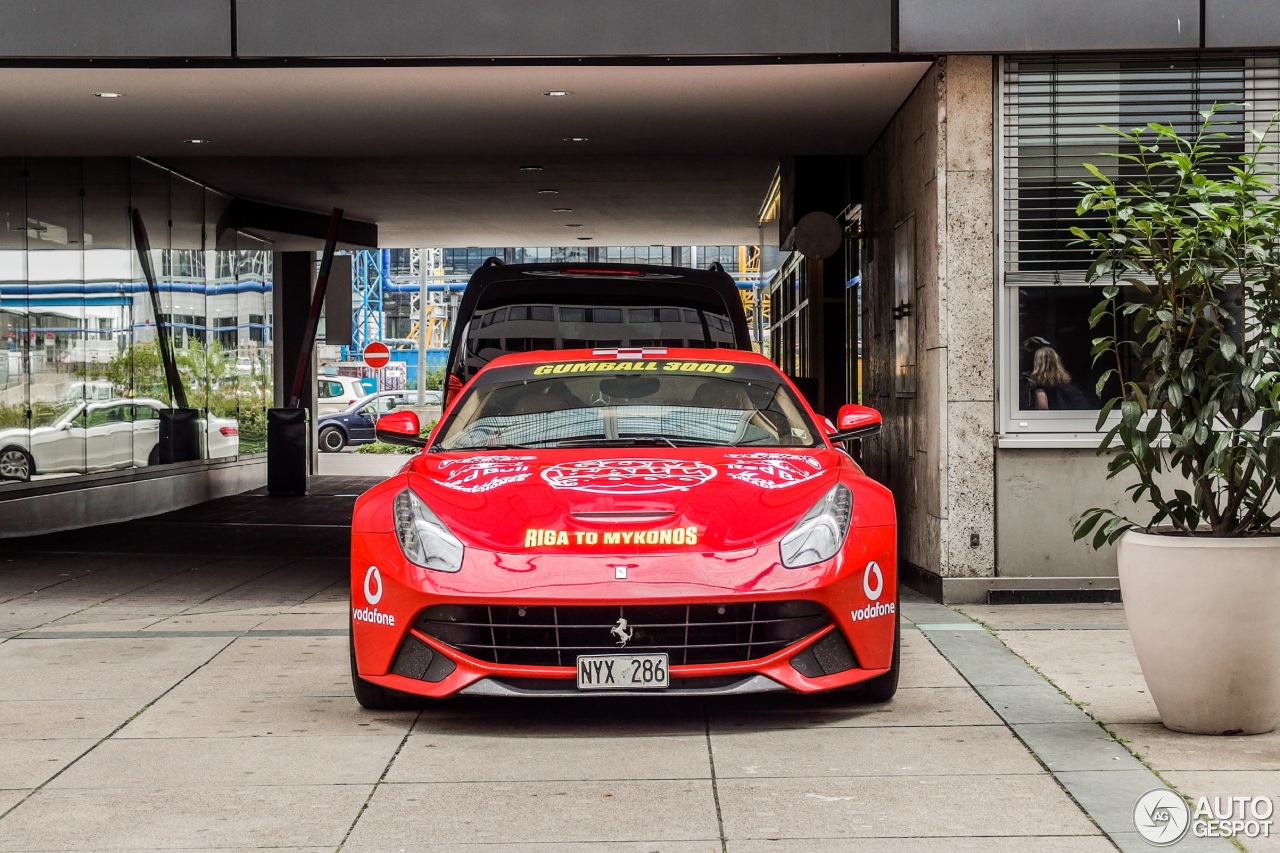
573, 225
531, 168
576, 139
561, 209
196, 141
107, 95
548, 192
586, 238
557, 93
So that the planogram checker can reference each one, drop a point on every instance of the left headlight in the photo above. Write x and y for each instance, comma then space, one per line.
423, 537
819, 534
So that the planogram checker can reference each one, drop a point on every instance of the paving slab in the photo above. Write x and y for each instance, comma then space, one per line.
64, 718
1132, 842
1169, 750
157, 818
1047, 617
935, 706
185, 715
710, 845
1032, 703
131, 763
223, 677
10, 797
505, 757
865, 806
90, 622
600, 813
99, 668
1074, 746
1109, 797
888, 751
293, 621
187, 621
18, 616
924, 666
1097, 668
982, 659
951, 844
1240, 783
30, 763
562, 718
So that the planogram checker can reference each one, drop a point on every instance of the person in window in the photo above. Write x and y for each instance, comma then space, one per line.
1050, 386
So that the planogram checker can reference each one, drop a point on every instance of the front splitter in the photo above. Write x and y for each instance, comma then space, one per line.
751, 684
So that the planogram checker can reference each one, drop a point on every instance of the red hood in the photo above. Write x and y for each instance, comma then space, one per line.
646, 500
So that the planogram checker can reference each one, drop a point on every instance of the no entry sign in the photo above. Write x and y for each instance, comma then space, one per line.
377, 354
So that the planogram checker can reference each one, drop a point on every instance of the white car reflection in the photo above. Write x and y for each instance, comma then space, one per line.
100, 435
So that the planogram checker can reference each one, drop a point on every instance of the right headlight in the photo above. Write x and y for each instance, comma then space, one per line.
423, 537
819, 534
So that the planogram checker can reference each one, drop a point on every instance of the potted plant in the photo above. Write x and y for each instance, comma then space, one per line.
1188, 236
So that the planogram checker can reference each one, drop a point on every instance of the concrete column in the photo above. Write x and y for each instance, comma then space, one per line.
935, 163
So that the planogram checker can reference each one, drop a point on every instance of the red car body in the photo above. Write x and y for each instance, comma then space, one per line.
680, 538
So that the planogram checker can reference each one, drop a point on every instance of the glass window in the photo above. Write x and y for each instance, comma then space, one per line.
562, 405
1053, 112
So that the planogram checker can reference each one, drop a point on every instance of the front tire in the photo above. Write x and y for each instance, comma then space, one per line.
16, 464
332, 439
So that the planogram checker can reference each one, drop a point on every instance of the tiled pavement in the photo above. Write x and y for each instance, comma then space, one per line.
181, 683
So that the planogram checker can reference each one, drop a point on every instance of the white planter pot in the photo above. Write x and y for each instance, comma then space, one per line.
1205, 618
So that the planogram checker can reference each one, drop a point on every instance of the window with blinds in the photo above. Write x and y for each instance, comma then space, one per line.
1053, 113
1053, 110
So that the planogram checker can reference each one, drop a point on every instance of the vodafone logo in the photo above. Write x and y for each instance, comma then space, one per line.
373, 585
872, 581
628, 476
873, 586
373, 594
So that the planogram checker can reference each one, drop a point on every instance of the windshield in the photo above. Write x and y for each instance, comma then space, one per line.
620, 404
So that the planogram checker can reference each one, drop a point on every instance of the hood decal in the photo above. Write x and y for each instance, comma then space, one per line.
628, 476
476, 474
773, 470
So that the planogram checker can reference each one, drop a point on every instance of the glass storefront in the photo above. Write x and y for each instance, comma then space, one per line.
83, 385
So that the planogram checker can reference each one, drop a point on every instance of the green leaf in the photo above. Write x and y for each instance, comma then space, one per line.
1093, 170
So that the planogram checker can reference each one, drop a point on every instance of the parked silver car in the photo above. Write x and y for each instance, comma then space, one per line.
100, 435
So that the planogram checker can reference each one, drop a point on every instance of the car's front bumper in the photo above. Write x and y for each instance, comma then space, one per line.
395, 651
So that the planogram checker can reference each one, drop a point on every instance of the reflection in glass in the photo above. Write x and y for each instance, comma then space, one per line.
82, 382
1055, 369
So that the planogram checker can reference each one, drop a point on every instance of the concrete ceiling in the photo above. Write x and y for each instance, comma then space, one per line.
675, 155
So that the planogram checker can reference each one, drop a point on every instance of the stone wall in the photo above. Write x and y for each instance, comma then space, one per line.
934, 163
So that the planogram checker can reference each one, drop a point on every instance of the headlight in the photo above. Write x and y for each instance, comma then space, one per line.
423, 537
820, 533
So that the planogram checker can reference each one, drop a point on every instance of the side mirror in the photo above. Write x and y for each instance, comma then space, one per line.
855, 421
399, 428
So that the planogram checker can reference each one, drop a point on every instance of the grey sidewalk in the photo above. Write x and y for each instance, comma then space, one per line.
156, 695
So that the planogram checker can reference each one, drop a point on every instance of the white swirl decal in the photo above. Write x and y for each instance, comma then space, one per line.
628, 476
481, 473
773, 470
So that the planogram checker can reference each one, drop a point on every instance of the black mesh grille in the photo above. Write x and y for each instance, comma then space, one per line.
542, 635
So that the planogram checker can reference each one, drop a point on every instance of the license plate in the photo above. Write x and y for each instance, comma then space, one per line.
623, 672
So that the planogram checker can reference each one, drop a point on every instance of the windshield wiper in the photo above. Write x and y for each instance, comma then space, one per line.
436, 448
